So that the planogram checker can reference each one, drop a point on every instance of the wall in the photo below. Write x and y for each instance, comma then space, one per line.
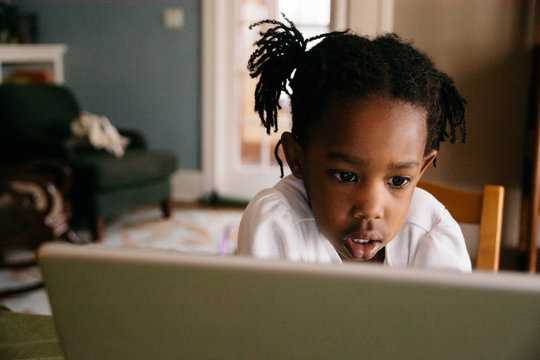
122, 63
486, 47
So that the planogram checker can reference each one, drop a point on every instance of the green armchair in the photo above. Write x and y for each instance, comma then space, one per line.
35, 123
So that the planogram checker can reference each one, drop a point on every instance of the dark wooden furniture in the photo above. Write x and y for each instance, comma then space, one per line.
33, 210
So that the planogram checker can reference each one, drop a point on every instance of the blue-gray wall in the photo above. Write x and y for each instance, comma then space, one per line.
123, 64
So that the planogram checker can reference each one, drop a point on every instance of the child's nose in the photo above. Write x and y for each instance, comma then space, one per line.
368, 202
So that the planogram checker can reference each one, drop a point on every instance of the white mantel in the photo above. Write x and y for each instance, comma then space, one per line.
50, 54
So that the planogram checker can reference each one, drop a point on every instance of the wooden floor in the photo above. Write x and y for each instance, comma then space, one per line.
213, 201
212, 206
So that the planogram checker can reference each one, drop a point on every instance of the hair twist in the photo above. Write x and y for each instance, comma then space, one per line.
278, 52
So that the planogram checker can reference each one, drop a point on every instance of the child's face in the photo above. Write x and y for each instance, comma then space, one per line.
360, 165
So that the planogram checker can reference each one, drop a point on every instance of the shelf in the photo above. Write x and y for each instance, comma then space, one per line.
51, 55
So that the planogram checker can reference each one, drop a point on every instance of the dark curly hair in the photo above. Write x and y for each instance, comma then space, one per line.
345, 67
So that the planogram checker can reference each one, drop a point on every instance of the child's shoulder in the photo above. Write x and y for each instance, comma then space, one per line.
292, 188
425, 210
289, 195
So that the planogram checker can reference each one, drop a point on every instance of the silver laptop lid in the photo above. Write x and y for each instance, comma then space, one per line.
112, 303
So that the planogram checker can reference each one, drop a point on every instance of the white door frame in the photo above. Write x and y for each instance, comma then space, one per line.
216, 101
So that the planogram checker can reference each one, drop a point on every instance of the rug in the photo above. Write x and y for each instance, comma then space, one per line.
192, 230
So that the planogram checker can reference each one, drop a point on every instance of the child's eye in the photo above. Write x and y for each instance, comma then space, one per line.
398, 181
346, 176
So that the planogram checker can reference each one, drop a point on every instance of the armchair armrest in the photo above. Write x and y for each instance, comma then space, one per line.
137, 139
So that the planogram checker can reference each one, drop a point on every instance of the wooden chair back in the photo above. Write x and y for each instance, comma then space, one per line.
484, 209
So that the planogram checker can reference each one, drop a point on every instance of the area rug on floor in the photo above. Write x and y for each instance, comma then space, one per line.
201, 231
191, 230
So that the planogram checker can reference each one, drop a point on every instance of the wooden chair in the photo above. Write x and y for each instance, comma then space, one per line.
32, 210
484, 209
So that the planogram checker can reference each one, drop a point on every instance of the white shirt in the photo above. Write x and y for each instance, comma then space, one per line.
279, 224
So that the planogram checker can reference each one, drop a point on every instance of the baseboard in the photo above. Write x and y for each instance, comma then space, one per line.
187, 185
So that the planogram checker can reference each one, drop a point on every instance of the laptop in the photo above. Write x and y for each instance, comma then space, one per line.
114, 303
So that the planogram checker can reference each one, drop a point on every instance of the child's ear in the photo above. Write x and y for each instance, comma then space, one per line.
294, 154
428, 159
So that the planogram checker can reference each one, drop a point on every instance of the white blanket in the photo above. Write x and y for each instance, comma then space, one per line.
98, 132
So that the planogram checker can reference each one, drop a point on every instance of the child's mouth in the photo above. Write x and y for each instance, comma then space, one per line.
363, 249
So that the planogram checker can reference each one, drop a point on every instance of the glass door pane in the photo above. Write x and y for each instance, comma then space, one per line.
312, 17
244, 160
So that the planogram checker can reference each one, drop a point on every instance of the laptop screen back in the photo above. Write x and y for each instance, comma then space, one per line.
111, 303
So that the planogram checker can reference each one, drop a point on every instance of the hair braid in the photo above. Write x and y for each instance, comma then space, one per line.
278, 52
452, 110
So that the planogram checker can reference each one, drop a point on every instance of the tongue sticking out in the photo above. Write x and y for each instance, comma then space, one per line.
363, 249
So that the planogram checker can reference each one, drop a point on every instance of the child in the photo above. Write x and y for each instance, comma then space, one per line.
367, 120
